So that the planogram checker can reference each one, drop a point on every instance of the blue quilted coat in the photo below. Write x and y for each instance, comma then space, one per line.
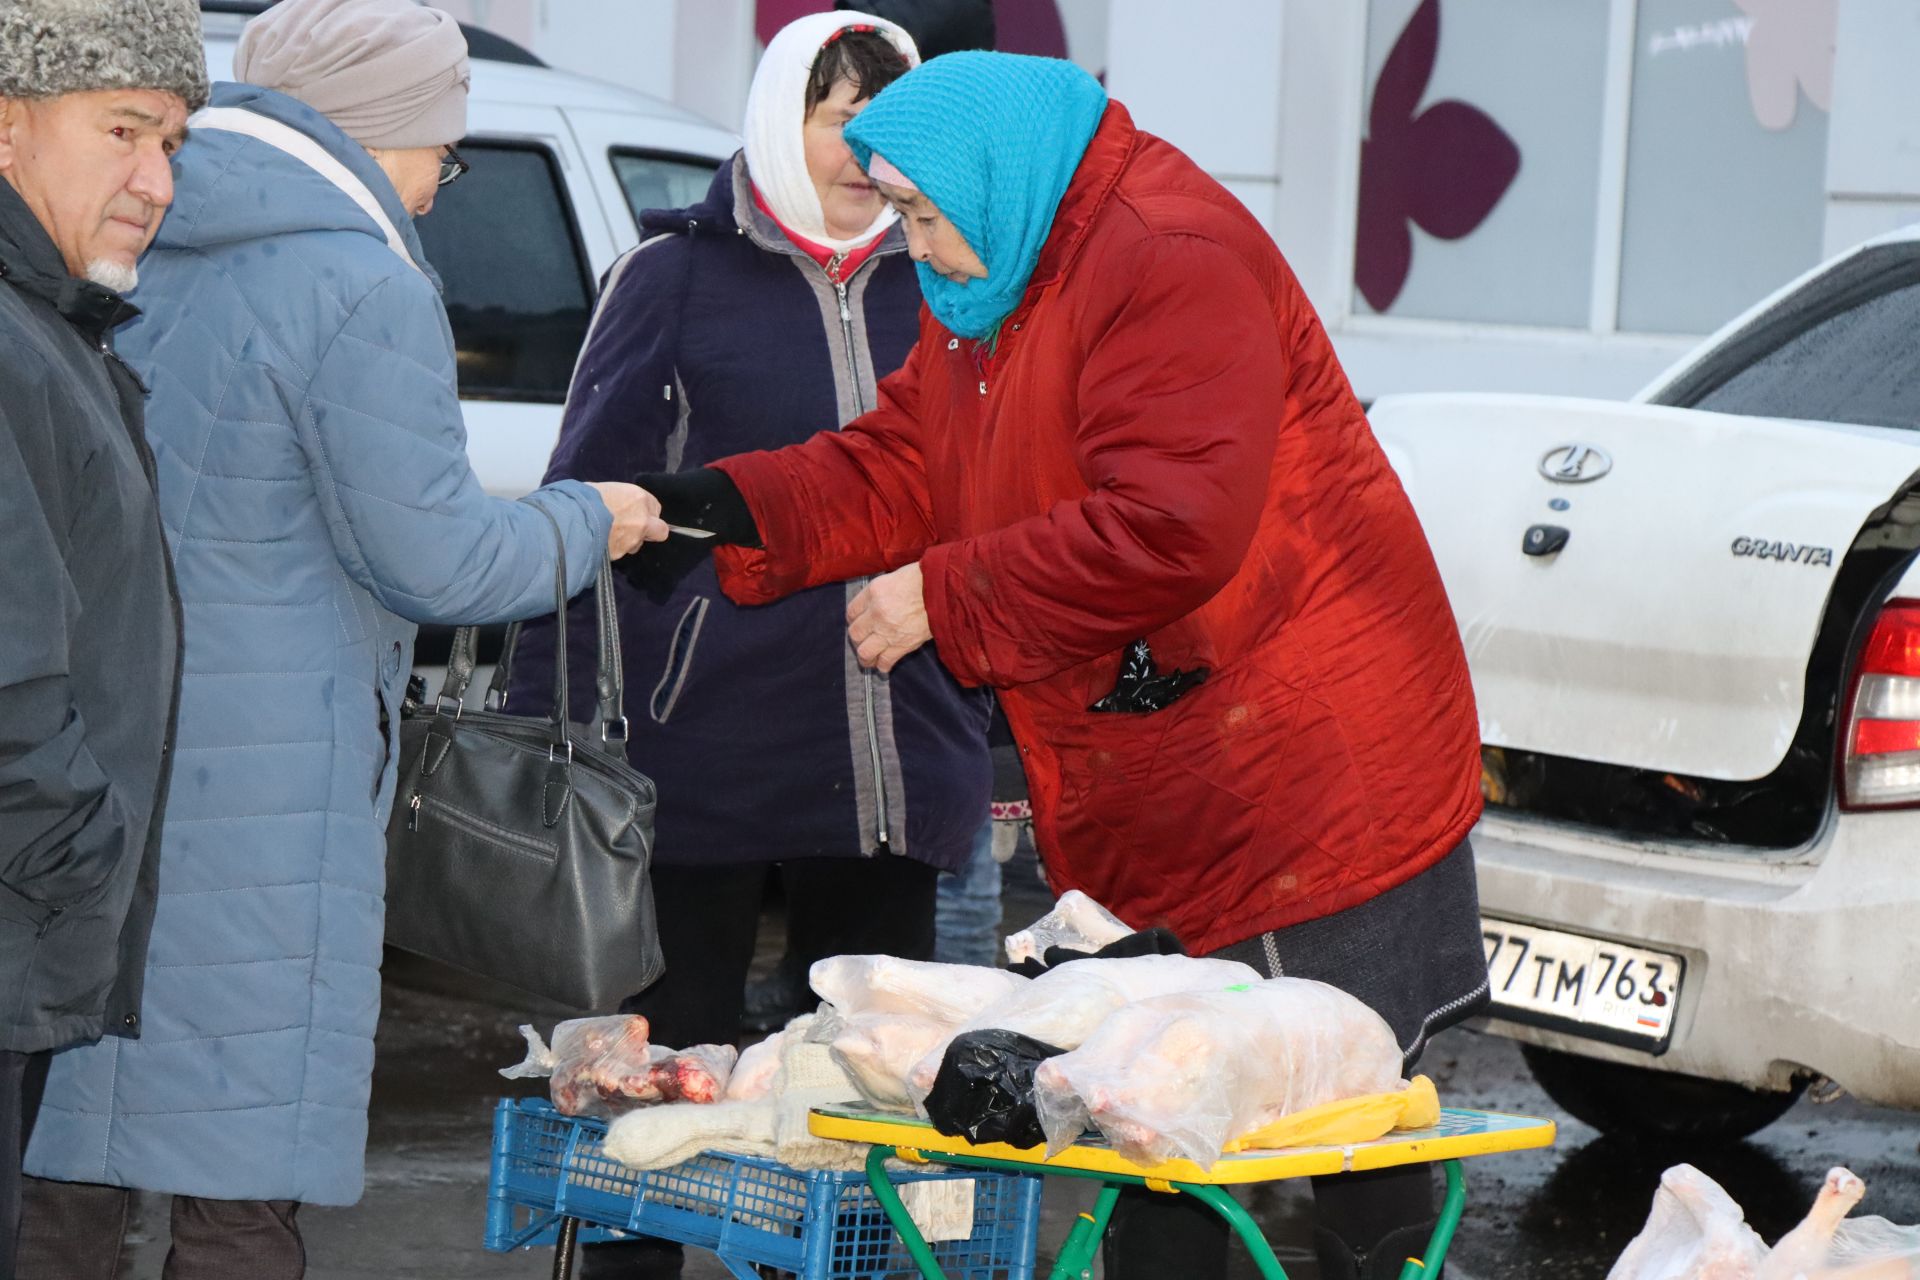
316, 492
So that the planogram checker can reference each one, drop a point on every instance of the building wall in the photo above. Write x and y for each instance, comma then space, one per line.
1476, 194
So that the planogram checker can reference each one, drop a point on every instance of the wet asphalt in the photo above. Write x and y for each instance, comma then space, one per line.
1565, 1212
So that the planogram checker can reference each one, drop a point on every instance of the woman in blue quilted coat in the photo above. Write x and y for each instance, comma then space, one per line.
316, 493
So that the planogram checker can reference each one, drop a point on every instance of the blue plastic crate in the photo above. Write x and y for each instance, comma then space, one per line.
818, 1224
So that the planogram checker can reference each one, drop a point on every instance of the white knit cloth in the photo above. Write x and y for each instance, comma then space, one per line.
776, 116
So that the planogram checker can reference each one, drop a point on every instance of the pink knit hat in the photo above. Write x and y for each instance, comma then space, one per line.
391, 73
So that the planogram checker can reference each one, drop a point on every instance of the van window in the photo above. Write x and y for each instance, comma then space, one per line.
518, 290
655, 180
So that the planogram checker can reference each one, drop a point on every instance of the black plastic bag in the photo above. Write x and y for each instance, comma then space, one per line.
1143, 687
984, 1092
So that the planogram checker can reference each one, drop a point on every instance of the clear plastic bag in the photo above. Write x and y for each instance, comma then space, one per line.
877, 1050
949, 993
604, 1067
752, 1076
1696, 1231
1181, 1075
1076, 922
1063, 1006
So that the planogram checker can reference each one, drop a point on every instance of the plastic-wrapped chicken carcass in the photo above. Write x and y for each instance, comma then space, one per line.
1181, 1075
878, 1050
752, 1076
604, 1066
1697, 1232
1064, 1005
886, 984
1076, 922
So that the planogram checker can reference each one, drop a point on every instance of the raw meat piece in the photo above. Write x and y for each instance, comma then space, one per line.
1076, 922
603, 1066
886, 984
1180, 1075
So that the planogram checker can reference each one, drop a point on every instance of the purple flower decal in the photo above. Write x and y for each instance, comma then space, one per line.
1444, 168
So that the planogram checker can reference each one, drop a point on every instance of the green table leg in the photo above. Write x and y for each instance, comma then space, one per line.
1076, 1254
903, 1223
1243, 1224
1442, 1238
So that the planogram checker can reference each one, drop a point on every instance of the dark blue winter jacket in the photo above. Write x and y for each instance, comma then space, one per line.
768, 741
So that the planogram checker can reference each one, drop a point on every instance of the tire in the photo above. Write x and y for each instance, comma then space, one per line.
1659, 1105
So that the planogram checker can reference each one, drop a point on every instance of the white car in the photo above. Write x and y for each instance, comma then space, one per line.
1693, 623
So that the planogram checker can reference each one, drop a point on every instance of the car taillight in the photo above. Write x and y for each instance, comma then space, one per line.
1880, 754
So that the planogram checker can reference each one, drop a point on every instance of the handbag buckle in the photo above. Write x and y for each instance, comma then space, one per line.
606, 727
552, 757
440, 705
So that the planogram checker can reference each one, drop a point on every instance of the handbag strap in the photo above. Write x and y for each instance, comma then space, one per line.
609, 677
461, 655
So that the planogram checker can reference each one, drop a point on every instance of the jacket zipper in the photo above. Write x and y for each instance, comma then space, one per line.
511, 841
883, 840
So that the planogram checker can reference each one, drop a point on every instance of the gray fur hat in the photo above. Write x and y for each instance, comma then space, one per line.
54, 47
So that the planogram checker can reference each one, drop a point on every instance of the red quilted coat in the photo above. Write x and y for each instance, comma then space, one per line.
1163, 445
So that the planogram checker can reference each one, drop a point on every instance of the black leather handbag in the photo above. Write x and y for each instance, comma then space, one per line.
518, 846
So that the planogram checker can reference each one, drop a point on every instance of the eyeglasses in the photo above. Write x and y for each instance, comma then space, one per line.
452, 167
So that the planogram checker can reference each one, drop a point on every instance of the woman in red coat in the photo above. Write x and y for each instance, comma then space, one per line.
1122, 479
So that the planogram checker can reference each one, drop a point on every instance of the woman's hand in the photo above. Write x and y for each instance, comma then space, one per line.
888, 620
636, 517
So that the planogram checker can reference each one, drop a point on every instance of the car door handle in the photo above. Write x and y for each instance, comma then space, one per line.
1544, 539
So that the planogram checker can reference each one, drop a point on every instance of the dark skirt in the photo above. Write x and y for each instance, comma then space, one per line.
1413, 954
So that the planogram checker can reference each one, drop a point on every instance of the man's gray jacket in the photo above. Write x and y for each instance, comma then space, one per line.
89, 655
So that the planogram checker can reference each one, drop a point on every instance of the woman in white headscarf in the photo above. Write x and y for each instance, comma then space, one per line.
747, 322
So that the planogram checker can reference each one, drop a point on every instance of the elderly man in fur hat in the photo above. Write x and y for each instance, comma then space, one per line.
94, 96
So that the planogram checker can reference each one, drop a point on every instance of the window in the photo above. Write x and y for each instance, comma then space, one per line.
1642, 166
1841, 351
1480, 171
654, 181
1725, 188
518, 291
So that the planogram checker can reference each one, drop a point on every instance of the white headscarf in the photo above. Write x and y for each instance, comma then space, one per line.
777, 115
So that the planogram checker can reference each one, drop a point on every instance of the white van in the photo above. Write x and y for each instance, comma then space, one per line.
1693, 623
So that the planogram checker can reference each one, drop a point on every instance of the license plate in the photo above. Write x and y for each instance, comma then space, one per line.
1588, 986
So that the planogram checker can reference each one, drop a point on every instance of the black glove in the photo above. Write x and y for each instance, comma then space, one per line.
698, 499
1143, 687
1147, 942
703, 498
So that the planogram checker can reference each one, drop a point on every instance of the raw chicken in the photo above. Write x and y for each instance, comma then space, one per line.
1076, 922
1063, 1006
878, 1049
1180, 1075
1696, 1232
753, 1075
885, 984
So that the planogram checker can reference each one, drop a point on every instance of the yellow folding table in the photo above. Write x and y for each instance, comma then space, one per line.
1459, 1135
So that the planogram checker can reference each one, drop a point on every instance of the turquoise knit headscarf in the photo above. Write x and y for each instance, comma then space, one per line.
993, 139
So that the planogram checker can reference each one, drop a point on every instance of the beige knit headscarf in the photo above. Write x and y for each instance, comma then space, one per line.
391, 73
